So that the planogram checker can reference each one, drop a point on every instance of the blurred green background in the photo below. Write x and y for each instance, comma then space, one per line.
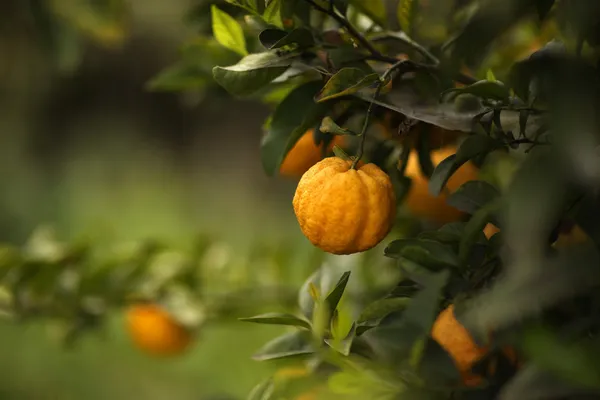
86, 148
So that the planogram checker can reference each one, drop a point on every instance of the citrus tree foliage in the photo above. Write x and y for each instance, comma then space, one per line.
338, 66
341, 66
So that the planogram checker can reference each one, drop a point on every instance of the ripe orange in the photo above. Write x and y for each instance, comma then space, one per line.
459, 344
305, 154
155, 331
343, 210
424, 205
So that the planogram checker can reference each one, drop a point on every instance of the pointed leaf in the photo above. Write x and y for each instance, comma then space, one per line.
251, 73
228, 31
429, 253
374, 9
278, 319
381, 308
473, 195
293, 344
346, 82
334, 297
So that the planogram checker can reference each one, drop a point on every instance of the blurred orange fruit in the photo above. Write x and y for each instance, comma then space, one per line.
459, 344
423, 204
305, 154
155, 331
343, 210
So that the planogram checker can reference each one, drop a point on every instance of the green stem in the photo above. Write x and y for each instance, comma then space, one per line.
363, 135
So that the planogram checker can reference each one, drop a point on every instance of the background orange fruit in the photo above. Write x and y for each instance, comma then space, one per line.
424, 205
155, 331
305, 154
459, 344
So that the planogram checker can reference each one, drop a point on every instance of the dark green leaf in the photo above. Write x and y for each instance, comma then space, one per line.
381, 308
278, 319
474, 228
578, 363
451, 233
228, 31
394, 341
288, 125
473, 195
473, 146
429, 253
252, 73
300, 36
544, 7
329, 126
293, 344
494, 90
490, 20
533, 383
334, 297
437, 366
346, 82
526, 289
424, 150
270, 36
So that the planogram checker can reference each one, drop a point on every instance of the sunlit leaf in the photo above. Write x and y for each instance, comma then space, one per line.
228, 31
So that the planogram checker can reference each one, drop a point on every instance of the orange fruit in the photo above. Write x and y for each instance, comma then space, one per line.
490, 230
459, 344
305, 154
343, 210
155, 331
423, 204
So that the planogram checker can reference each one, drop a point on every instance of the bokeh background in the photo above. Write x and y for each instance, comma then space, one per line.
86, 148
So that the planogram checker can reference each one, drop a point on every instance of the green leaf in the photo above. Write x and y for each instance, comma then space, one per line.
333, 298
527, 289
293, 344
346, 82
228, 31
381, 308
306, 302
437, 366
253, 6
394, 341
272, 14
532, 382
278, 319
429, 253
424, 151
473, 146
576, 362
343, 346
407, 13
288, 125
451, 234
490, 76
328, 125
374, 9
275, 38
251, 73
474, 229
494, 90
473, 195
